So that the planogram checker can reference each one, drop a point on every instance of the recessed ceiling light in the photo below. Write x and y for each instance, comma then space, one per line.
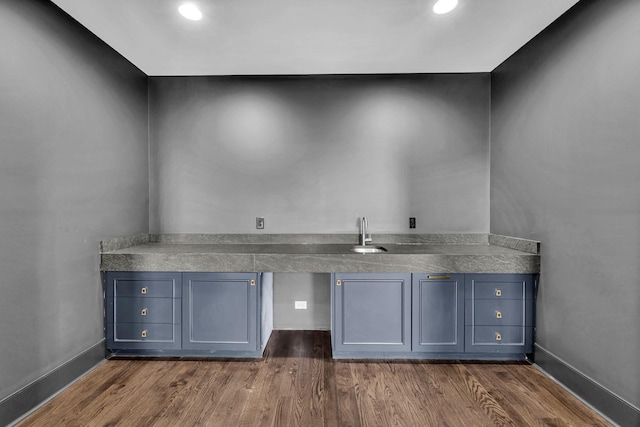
444, 6
190, 11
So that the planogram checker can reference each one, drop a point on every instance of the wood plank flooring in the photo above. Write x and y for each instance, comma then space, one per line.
298, 384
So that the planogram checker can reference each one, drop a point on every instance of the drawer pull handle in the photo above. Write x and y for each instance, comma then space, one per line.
338, 282
144, 334
143, 291
498, 336
498, 315
143, 312
498, 292
253, 282
439, 277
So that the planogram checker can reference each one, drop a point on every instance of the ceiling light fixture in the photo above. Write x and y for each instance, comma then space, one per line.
190, 11
444, 6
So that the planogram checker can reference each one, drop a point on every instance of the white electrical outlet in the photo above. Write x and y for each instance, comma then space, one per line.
301, 305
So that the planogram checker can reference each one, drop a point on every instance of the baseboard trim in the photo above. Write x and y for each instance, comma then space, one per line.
30, 397
610, 405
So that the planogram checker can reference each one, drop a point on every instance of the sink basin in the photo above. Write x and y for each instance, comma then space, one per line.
368, 249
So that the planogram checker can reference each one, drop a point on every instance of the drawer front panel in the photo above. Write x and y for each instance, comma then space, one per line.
146, 310
505, 290
137, 332
498, 339
499, 286
509, 335
497, 312
145, 288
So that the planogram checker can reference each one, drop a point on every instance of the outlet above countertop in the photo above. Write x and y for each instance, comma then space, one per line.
320, 253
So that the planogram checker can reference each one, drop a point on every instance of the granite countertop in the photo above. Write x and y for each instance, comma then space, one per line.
320, 253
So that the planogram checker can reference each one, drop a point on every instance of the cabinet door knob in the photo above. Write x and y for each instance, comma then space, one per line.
143, 291
498, 336
143, 312
338, 282
498, 292
498, 315
143, 334
253, 282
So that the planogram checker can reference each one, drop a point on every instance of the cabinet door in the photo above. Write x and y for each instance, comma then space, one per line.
372, 312
438, 313
221, 311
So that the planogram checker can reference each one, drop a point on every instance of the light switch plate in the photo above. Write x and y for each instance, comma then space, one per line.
300, 305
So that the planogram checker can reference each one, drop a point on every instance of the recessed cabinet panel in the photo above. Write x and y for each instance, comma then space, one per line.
438, 313
372, 312
222, 311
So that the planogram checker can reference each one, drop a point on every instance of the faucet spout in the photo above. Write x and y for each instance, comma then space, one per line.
365, 237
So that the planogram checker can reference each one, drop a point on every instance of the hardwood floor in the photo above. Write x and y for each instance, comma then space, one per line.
298, 384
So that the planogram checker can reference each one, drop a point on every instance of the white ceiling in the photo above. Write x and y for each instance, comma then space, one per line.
315, 36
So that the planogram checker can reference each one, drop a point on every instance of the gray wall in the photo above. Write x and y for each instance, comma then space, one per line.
315, 288
73, 170
565, 170
313, 153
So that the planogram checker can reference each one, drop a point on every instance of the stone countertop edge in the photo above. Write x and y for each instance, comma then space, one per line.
527, 262
519, 244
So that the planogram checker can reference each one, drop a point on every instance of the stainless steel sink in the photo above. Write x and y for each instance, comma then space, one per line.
368, 249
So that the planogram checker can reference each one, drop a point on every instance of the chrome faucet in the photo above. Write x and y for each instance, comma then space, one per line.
365, 237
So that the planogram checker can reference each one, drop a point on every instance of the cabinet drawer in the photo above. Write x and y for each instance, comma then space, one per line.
498, 312
494, 289
145, 288
498, 335
146, 310
139, 332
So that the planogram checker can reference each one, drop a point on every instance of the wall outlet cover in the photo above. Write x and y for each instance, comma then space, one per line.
300, 305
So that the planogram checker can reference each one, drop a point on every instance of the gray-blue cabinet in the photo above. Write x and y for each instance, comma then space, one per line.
186, 314
371, 313
143, 310
440, 316
438, 313
499, 313
221, 311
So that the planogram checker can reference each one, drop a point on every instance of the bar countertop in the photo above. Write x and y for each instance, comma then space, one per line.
320, 253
